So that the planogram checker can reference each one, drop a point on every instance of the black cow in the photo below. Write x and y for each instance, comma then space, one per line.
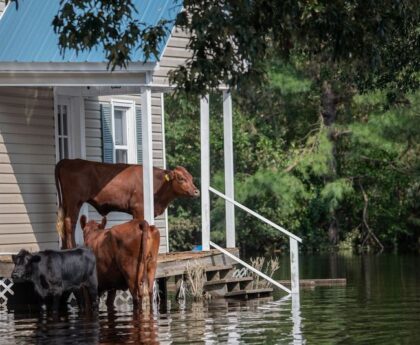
55, 271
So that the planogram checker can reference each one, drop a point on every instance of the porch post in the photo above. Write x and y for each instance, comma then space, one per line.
294, 265
205, 171
146, 116
229, 173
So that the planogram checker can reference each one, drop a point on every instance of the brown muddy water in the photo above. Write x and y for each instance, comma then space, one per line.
379, 305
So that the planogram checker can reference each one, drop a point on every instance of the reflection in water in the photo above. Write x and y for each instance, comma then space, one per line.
380, 305
297, 320
128, 328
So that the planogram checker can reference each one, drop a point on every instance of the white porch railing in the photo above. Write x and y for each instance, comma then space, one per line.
243, 263
229, 188
294, 250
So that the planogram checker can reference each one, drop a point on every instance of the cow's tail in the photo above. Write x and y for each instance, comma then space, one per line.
59, 225
144, 225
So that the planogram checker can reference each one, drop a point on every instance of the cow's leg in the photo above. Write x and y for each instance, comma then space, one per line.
152, 262
42, 303
138, 214
93, 291
93, 294
151, 270
67, 226
110, 298
79, 298
70, 222
56, 303
136, 295
69, 238
135, 290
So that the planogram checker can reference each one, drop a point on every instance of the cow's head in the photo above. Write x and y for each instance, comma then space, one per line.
182, 182
88, 226
24, 265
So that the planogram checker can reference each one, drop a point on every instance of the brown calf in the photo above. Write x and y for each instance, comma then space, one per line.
126, 256
112, 187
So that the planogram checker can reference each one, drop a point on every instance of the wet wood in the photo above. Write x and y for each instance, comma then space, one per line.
318, 282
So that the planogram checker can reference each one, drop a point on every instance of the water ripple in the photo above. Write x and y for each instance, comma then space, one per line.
370, 310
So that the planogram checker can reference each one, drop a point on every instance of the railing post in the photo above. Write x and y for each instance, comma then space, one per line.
229, 171
146, 117
294, 265
297, 320
205, 172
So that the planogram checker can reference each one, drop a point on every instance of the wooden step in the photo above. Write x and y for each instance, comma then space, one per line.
249, 293
218, 268
218, 272
182, 270
228, 281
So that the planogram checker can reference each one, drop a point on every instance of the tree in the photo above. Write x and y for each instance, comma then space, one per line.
369, 42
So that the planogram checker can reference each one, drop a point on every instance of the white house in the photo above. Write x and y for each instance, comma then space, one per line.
53, 107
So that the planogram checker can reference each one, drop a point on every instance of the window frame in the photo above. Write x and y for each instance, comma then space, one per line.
63, 101
130, 122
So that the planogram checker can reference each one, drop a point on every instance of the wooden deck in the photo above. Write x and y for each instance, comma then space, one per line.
169, 264
220, 279
174, 264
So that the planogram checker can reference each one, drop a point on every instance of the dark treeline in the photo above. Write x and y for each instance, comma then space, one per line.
337, 167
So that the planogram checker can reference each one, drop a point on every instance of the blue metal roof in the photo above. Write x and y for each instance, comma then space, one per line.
27, 35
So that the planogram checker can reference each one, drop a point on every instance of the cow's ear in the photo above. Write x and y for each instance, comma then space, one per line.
35, 258
103, 223
83, 221
169, 175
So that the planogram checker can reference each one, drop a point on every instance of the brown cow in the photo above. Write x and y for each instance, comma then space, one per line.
126, 256
112, 187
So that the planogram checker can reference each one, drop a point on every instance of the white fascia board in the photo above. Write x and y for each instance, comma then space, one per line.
71, 67
72, 79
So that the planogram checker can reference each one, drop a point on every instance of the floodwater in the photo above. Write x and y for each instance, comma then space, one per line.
379, 305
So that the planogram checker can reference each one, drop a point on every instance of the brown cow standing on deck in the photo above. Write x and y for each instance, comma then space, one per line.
126, 256
112, 187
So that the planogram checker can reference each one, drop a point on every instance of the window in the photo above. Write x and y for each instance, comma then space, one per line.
120, 135
63, 130
124, 136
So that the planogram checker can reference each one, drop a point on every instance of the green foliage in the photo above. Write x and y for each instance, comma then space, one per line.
316, 159
382, 155
185, 233
368, 43
284, 158
334, 192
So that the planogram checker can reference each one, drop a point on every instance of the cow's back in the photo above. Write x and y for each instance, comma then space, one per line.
115, 250
100, 241
66, 269
107, 187
85, 179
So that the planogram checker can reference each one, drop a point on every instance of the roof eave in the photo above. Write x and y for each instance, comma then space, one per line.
71, 67
73, 74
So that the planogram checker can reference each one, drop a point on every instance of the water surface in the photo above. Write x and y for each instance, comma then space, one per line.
379, 305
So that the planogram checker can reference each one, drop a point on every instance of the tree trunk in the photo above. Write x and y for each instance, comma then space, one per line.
329, 101
333, 230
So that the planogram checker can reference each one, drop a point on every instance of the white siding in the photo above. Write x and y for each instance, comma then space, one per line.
27, 160
2, 5
174, 55
94, 149
27, 155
